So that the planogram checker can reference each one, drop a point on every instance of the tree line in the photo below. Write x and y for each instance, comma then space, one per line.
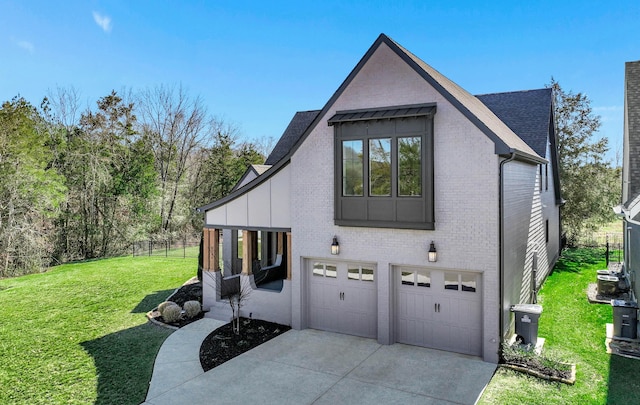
80, 184
591, 184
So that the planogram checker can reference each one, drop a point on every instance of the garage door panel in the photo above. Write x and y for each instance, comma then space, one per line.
475, 340
354, 323
360, 299
343, 298
428, 314
416, 306
323, 319
414, 332
442, 337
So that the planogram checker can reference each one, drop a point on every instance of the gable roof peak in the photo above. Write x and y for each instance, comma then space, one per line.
505, 140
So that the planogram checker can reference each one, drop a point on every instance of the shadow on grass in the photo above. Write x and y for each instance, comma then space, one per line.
151, 301
124, 363
623, 387
574, 259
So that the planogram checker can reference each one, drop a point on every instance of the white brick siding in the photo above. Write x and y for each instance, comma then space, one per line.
466, 198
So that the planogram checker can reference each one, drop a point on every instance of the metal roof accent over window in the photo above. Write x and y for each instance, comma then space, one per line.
405, 111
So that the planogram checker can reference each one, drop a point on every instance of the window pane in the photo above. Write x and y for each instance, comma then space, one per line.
353, 274
239, 244
409, 167
331, 271
424, 279
352, 172
380, 167
318, 269
451, 281
367, 274
408, 277
469, 282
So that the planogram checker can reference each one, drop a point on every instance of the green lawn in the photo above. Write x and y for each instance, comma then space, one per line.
575, 331
78, 333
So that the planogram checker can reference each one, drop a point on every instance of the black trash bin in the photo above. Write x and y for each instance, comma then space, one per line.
527, 316
625, 318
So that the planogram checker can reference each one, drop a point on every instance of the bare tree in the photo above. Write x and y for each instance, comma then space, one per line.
233, 290
175, 125
265, 145
65, 106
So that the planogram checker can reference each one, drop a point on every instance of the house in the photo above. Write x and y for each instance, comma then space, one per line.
405, 210
630, 207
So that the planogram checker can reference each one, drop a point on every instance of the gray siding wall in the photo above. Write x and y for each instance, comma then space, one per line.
632, 254
550, 213
524, 236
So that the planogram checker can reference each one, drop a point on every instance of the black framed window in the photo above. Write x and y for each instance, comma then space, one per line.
352, 166
384, 167
410, 166
546, 231
380, 167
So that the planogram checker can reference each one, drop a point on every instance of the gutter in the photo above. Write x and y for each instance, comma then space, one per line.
501, 242
524, 156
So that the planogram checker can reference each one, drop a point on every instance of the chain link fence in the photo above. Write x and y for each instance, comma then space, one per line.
181, 247
612, 242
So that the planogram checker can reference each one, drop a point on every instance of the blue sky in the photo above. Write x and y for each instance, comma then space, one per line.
255, 63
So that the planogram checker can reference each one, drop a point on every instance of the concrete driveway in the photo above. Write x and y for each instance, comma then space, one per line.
315, 367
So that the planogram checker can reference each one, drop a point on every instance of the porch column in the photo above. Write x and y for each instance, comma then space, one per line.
249, 250
280, 243
288, 255
211, 247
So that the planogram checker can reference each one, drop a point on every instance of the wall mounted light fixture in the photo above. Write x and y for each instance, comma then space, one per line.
335, 246
433, 254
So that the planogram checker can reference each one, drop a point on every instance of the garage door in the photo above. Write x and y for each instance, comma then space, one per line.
439, 309
342, 298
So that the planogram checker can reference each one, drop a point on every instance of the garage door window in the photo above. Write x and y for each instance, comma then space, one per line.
416, 278
460, 282
451, 281
469, 282
360, 273
324, 270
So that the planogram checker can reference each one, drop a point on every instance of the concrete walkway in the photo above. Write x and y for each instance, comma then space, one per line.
314, 367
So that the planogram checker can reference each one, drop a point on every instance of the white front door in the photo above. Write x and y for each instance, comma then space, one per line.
439, 309
342, 298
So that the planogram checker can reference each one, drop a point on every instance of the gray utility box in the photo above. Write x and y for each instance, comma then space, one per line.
527, 316
625, 319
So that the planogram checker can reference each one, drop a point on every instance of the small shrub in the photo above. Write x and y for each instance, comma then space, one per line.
172, 313
163, 305
191, 308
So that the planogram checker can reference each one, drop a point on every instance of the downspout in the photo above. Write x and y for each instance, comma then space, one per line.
501, 244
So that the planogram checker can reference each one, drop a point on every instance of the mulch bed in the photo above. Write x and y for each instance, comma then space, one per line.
189, 291
223, 344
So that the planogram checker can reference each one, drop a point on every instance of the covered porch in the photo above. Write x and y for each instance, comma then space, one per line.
254, 263
247, 248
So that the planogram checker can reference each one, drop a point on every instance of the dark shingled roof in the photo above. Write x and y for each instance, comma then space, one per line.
527, 113
291, 135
